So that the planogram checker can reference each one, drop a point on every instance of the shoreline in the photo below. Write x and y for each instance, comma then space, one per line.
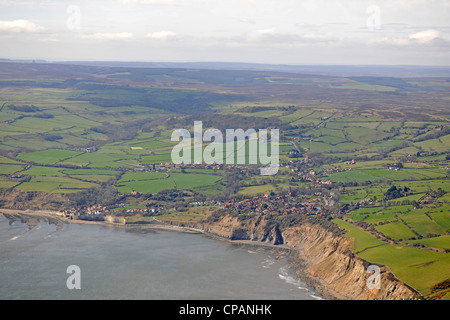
280, 251
153, 225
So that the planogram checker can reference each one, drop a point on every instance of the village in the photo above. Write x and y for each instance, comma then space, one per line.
298, 170
270, 203
282, 204
322, 202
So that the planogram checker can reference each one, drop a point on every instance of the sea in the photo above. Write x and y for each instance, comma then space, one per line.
85, 261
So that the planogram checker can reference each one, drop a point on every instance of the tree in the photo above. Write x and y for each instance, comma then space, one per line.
393, 192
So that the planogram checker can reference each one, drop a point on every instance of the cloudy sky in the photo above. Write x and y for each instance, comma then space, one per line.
262, 31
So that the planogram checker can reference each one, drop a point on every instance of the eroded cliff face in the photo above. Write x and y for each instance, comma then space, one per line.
16, 199
320, 254
255, 229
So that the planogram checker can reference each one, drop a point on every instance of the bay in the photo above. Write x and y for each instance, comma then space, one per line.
137, 263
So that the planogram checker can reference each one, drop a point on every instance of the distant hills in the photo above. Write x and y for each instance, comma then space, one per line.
327, 70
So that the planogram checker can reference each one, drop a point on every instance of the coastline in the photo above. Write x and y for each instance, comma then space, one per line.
279, 251
57, 215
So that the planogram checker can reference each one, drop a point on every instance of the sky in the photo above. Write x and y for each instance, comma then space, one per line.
297, 32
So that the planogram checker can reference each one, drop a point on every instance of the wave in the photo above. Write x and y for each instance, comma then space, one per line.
35, 232
17, 237
50, 235
268, 262
286, 276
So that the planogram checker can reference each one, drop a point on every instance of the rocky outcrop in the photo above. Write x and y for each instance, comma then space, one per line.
255, 229
319, 254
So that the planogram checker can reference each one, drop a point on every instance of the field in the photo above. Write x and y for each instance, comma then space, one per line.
186, 217
419, 230
415, 266
50, 156
54, 184
259, 189
154, 182
103, 135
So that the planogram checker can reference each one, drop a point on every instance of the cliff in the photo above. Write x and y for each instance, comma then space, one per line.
322, 256
35, 200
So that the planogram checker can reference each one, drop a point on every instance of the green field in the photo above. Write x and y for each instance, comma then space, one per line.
5, 183
50, 156
54, 184
442, 242
154, 182
361, 239
266, 188
44, 171
396, 231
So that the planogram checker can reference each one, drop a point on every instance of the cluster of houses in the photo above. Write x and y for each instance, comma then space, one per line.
356, 205
350, 161
103, 211
314, 176
202, 165
280, 204
17, 176
395, 166
95, 210
165, 166
88, 149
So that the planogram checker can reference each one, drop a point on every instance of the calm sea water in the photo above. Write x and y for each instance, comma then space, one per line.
123, 263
